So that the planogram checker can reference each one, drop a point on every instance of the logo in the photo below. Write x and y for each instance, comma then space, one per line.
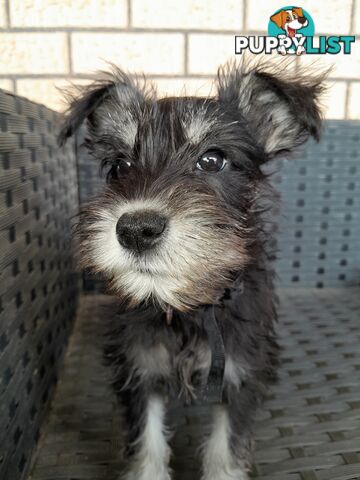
293, 23
291, 31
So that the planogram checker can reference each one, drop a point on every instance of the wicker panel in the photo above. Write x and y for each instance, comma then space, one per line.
38, 287
319, 225
309, 428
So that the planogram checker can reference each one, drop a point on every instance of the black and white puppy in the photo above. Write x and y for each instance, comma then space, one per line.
178, 230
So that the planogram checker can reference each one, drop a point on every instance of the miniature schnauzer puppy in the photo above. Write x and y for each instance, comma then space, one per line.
180, 235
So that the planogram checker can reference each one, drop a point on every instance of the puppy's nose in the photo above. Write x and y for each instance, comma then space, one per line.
302, 20
140, 231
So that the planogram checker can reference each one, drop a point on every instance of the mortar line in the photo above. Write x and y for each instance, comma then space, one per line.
7, 14
244, 21
129, 13
70, 56
186, 54
352, 16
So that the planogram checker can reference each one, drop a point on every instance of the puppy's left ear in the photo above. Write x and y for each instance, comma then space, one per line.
281, 109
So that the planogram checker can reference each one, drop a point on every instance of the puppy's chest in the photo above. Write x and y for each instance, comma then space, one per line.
185, 368
174, 360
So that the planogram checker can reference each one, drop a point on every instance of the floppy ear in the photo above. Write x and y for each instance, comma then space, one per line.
117, 97
280, 108
298, 11
278, 18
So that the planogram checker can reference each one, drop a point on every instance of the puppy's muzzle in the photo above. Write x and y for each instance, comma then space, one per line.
140, 231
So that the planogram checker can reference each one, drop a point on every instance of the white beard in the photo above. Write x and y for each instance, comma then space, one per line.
189, 253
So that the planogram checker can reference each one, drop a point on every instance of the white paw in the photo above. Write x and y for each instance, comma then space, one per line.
231, 474
145, 474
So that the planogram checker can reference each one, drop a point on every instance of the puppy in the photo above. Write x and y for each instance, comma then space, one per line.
291, 20
180, 235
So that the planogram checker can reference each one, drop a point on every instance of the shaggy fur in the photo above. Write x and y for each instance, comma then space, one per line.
214, 242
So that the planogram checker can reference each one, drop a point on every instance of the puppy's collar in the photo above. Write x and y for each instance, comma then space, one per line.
212, 392
169, 315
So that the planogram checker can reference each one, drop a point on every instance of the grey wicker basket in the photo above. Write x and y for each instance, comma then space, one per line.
38, 288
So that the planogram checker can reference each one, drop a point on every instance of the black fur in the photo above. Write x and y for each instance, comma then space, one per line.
256, 116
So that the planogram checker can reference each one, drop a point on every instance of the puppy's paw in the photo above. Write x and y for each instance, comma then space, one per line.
145, 474
226, 474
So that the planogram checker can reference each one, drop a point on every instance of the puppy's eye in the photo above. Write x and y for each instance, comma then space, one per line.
211, 161
121, 169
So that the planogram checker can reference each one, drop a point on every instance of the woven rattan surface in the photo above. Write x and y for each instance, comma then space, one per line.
319, 226
309, 428
38, 189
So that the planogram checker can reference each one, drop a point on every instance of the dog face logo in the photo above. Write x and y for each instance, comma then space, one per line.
290, 20
294, 23
291, 31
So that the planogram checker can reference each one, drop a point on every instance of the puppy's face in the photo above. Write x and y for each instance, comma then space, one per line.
179, 218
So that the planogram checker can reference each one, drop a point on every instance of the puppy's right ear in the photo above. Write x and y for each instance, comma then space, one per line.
94, 103
82, 107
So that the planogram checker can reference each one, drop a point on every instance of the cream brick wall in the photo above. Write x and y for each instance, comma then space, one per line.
6, 84
33, 53
68, 13
356, 17
207, 51
44, 44
189, 14
47, 91
136, 52
2, 13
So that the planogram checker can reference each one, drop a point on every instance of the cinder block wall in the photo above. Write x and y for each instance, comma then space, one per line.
46, 43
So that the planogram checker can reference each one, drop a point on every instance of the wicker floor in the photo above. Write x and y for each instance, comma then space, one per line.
308, 430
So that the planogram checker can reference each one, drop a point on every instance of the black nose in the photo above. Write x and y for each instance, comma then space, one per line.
140, 230
302, 20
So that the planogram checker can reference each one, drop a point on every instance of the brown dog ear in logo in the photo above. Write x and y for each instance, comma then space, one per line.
298, 11
279, 18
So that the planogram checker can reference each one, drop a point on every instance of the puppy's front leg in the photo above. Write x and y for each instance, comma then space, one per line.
227, 452
222, 460
149, 451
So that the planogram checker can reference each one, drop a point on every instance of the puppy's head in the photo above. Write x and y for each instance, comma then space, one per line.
179, 218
